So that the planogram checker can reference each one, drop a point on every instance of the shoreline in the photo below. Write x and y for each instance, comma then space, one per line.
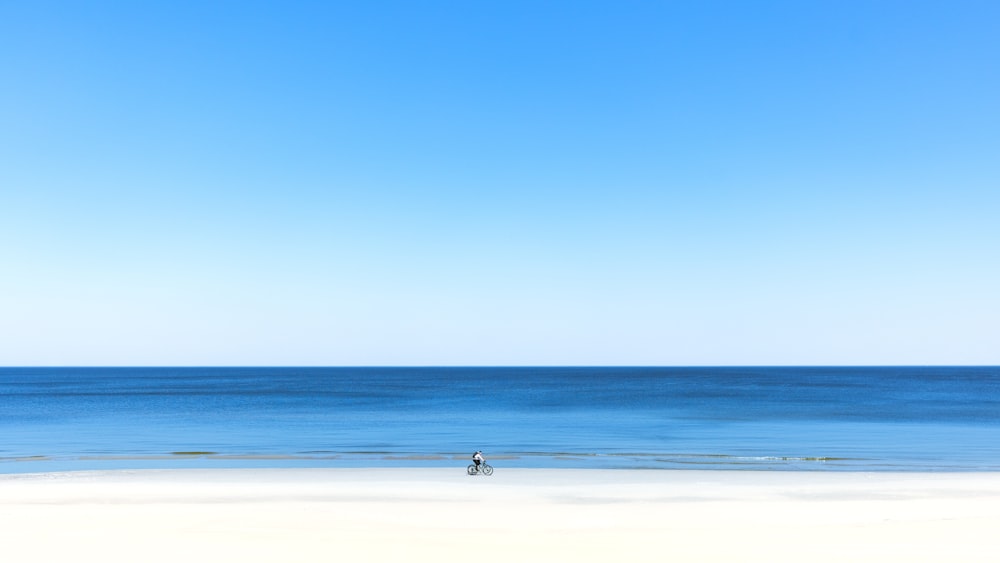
434, 514
182, 460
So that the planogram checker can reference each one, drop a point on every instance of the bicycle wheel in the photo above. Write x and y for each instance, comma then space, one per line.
488, 469
472, 469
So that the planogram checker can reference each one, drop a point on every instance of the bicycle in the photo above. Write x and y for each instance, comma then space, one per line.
482, 468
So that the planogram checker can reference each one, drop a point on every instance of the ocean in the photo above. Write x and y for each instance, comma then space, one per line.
749, 418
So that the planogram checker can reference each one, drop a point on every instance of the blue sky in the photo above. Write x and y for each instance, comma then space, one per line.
689, 183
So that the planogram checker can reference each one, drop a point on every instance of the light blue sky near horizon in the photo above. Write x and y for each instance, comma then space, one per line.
654, 183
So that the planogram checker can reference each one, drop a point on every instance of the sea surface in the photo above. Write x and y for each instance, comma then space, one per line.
753, 418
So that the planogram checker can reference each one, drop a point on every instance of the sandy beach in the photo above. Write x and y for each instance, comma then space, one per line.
515, 515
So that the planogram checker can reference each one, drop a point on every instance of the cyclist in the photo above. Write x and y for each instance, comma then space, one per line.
478, 459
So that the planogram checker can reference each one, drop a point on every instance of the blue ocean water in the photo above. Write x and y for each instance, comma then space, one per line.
835, 418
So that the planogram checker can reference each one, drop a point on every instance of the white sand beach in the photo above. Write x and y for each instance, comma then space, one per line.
442, 515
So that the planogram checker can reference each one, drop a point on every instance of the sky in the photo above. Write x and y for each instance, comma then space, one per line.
499, 183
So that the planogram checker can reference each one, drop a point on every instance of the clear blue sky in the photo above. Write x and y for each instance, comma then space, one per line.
670, 183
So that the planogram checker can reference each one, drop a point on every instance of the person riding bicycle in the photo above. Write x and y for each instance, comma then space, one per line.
478, 459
